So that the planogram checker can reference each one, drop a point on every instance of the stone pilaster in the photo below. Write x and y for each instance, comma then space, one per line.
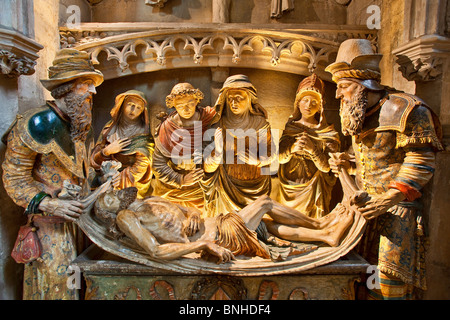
424, 57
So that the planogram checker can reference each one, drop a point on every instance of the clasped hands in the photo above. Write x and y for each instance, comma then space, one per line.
303, 143
190, 226
247, 156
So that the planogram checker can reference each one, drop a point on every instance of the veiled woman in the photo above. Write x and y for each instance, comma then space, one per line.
243, 144
126, 138
305, 181
179, 143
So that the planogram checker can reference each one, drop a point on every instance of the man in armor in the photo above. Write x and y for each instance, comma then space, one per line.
394, 139
45, 147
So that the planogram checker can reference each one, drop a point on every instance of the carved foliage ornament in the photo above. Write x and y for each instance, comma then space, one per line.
219, 288
422, 69
422, 59
13, 66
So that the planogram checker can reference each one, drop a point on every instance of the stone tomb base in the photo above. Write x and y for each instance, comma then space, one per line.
111, 278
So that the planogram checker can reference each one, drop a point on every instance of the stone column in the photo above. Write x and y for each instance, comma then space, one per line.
220, 11
424, 57
18, 55
218, 77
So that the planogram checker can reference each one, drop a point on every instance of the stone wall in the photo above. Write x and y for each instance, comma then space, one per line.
200, 11
47, 34
10, 214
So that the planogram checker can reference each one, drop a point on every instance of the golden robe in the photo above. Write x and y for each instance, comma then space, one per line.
40, 163
230, 184
136, 170
396, 149
305, 181
169, 168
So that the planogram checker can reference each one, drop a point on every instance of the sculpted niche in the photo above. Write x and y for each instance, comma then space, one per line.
210, 208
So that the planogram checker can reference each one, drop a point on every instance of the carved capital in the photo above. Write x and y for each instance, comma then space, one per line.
18, 53
422, 59
13, 66
422, 69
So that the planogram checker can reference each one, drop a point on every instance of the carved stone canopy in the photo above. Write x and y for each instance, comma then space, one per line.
122, 50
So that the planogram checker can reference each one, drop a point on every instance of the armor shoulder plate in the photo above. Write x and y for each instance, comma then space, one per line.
45, 125
42, 129
395, 111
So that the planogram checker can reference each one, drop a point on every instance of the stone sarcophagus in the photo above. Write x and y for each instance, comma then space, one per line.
111, 278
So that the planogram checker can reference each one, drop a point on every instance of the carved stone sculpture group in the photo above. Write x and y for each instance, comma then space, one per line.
198, 191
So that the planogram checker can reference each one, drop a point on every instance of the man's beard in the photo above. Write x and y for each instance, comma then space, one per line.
79, 110
353, 113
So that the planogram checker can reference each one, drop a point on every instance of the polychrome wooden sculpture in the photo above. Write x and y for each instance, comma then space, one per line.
243, 146
240, 225
46, 146
305, 181
155, 232
126, 138
167, 231
179, 147
394, 136
171, 232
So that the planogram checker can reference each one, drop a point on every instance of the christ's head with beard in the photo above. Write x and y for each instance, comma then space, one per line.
354, 102
75, 100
